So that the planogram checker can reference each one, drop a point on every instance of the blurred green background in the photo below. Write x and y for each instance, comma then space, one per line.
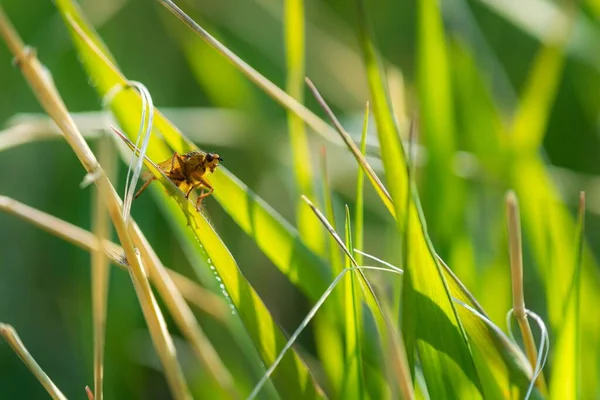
44, 281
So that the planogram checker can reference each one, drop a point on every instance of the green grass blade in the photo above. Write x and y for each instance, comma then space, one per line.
360, 182
353, 379
273, 235
445, 357
566, 374
293, 376
308, 227
330, 345
335, 259
437, 126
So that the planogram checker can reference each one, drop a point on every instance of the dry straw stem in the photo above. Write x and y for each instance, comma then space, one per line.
10, 335
287, 101
40, 81
516, 266
360, 158
100, 268
203, 299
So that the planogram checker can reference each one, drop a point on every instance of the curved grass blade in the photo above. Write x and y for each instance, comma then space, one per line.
330, 345
273, 235
293, 376
360, 179
308, 227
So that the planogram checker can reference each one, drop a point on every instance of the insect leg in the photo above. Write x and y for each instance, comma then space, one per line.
192, 187
207, 185
144, 186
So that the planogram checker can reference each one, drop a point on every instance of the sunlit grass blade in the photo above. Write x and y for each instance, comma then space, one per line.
353, 379
426, 304
335, 259
329, 342
11, 337
293, 375
273, 235
301, 155
565, 382
100, 268
185, 319
360, 179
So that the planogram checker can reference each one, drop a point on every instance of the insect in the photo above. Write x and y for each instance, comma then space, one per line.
188, 172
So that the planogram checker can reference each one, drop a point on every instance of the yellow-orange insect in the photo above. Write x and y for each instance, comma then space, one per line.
188, 172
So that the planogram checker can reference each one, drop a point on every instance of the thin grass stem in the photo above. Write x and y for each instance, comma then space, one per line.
12, 338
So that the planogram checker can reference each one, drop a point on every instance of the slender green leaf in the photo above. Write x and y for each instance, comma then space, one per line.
445, 357
437, 126
292, 378
308, 226
330, 342
353, 379
360, 182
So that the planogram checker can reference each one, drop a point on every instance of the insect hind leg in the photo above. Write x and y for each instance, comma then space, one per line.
144, 186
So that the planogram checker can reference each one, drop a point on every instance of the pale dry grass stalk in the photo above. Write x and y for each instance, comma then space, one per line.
41, 83
10, 335
100, 267
203, 299
515, 247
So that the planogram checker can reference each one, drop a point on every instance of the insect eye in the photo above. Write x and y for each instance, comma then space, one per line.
209, 157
